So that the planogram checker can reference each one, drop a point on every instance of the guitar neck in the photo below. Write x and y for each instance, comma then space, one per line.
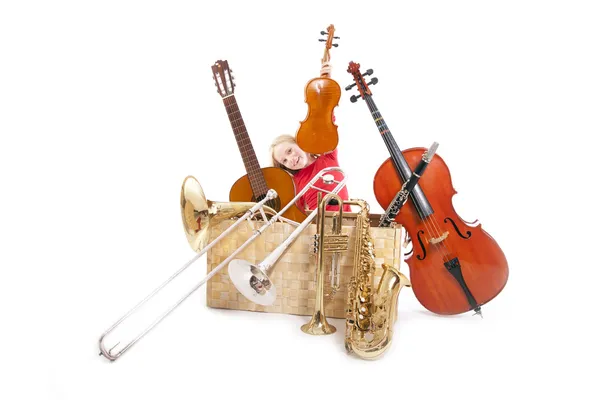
402, 168
255, 175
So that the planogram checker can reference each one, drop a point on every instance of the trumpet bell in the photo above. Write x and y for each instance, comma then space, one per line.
198, 214
252, 282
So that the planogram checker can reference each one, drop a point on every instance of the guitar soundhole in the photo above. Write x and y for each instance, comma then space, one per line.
275, 203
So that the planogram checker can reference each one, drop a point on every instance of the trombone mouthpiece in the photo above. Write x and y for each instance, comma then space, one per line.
271, 194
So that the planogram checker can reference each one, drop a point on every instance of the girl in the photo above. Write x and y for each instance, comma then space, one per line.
287, 155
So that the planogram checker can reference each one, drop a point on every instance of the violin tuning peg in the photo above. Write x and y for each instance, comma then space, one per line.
336, 37
373, 82
323, 33
350, 86
334, 44
369, 72
322, 40
353, 98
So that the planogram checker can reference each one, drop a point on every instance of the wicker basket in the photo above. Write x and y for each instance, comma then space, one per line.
294, 275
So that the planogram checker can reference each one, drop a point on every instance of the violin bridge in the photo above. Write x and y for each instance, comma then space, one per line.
439, 239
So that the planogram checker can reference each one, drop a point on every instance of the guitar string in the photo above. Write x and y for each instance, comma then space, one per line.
245, 144
247, 149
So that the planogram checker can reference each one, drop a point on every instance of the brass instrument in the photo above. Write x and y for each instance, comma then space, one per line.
198, 214
330, 243
253, 281
370, 317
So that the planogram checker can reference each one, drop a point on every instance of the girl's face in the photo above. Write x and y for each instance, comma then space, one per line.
291, 156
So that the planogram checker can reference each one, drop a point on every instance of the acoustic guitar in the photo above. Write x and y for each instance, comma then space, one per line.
254, 185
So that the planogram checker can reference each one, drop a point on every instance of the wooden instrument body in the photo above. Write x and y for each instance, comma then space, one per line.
483, 264
276, 179
318, 133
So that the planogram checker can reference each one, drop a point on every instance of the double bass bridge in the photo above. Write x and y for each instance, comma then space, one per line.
439, 239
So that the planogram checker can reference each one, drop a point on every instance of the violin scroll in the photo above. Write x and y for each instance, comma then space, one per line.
329, 43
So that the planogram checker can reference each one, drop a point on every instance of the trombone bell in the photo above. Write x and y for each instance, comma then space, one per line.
252, 282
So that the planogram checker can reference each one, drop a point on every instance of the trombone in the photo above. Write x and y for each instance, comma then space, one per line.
198, 214
253, 281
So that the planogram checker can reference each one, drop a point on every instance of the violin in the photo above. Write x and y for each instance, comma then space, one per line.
318, 134
455, 267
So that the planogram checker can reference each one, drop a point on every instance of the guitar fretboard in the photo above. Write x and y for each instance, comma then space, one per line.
255, 175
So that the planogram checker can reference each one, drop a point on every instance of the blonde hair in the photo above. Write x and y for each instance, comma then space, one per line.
278, 140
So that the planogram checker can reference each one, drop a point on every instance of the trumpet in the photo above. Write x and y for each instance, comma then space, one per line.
198, 214
253, 281
334, 242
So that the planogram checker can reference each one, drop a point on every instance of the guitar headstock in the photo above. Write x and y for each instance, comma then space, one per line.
359, 81
329, 42
223, 77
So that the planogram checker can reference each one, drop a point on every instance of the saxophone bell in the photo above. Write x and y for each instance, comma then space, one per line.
372, 343
370, 317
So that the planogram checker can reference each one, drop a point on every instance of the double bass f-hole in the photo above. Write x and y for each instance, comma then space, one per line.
421, 257
456, 228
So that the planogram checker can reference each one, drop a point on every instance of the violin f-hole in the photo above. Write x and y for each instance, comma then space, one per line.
456, 228
419, 257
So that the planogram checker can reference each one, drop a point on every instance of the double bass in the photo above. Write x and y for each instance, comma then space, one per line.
455, 267
318, 133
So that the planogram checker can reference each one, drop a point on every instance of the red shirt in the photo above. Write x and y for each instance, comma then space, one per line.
304, 176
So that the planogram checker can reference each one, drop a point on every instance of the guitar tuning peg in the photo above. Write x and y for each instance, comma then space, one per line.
350, 86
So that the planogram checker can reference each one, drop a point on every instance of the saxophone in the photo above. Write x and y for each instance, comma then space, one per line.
370, 317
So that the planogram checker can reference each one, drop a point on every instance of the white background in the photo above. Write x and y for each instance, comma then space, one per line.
105, 107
